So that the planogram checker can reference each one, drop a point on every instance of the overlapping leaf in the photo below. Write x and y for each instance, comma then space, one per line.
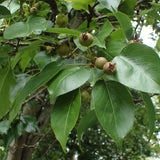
150, 112
126, 24
4, 12
105, 31
23, 29
114, 108
33, 84
7, 81
68, 80
86, 122
110, 4
64, 115
138, 67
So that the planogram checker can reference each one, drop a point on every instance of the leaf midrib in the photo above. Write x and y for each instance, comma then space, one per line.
127, 60
114, 115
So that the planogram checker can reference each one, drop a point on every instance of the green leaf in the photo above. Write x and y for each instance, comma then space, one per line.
21, 80
64, 31
26, 53
138, 67
13, 5
86, 122
158, 44
105, 31
22, 29
110, 4
64, 115
4, 50
126, 25
4, 12
42, 59
4, 127
19, 29
95, 75
128, 7
114, 109
81, 4
117, 35
68, 80
7, 81
114, 48
150, 112
36, 24
33, 84
30, 123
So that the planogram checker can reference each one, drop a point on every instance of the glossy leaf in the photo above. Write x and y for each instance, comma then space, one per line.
4, 12
138, 67
42, 59
23, 29
114, 109
105, 31
36, 24
19, 29
7, 81
21, 80
86, 122
68, 80
110, 4
64, 115
64, 31
13, 6
126, 25
114, 48
130, 5
33, 84
150, 112
117, 35
95, 75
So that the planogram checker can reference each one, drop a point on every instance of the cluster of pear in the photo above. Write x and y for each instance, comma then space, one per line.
85, 39
108, 67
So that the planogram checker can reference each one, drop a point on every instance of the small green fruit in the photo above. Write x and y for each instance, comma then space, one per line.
109, 68
84, 96
61, 20
63, 50
100, 61
33, 10
85, 39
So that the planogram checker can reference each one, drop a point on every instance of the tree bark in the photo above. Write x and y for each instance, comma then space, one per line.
22, 147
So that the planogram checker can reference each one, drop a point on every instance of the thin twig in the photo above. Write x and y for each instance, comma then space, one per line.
82, 56
140, 100
21, 9
34, 95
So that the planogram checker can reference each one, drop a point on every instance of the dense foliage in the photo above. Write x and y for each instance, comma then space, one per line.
70, 65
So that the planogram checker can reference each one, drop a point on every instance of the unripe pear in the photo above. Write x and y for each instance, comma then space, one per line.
63, 50
85, 39
100, 61
109, 68
61, 20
